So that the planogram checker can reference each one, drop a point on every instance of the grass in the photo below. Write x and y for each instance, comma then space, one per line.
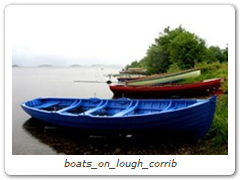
216, 140
215, 70
211, 71
220, 123
218, 133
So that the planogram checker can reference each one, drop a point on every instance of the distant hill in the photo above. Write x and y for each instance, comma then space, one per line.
75, 65
45, 65
15, 65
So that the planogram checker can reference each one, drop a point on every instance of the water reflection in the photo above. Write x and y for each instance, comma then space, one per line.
79, 142
70, 141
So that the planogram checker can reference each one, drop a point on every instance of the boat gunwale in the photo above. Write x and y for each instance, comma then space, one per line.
165, 75
168, 86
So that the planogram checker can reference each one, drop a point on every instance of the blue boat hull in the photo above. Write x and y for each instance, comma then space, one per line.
194, 121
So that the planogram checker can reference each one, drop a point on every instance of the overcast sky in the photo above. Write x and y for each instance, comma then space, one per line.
106, 34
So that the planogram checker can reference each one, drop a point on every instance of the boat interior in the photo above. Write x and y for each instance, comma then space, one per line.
109, 108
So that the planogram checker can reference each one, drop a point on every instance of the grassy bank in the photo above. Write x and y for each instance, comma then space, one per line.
215, 70
211, 71
216, 140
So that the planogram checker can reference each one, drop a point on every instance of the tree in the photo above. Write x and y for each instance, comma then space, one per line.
225, 55
157, 60
186, 49
214, 54
134, 64
179, 49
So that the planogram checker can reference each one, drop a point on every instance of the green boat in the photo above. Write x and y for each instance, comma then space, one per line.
164, 78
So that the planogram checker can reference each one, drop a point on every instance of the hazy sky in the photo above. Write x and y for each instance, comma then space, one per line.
105, 34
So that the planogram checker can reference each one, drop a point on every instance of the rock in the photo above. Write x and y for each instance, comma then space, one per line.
117, 151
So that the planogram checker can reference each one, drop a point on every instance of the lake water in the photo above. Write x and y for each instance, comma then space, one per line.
30, 83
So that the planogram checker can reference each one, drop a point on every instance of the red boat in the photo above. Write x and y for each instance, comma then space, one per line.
203, 88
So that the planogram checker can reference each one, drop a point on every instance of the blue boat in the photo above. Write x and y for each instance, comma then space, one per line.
190, 117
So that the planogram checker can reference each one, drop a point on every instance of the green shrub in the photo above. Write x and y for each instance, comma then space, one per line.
219, 129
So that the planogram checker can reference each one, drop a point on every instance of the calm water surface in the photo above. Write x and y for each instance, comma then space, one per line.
30, 83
